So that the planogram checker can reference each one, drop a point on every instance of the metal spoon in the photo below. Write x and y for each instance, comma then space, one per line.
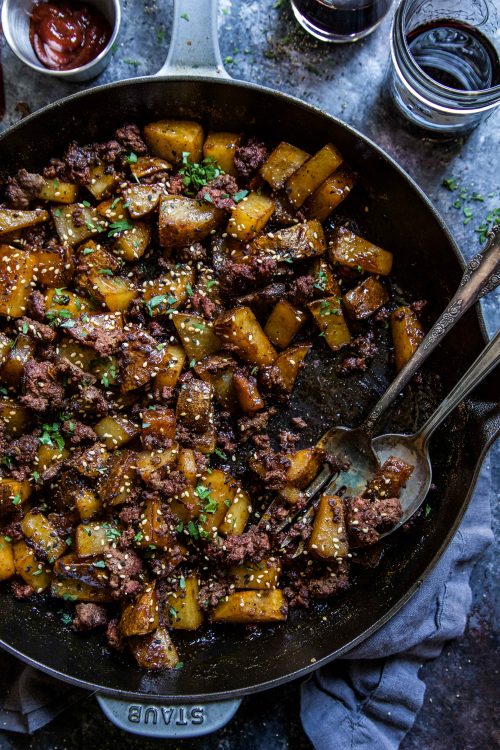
415, 448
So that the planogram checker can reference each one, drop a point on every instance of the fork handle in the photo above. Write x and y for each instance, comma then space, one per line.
481, 367
481, 276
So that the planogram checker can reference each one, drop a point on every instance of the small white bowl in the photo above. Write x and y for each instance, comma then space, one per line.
16, 27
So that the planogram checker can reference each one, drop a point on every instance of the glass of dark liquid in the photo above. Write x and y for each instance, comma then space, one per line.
444, 75
340, 20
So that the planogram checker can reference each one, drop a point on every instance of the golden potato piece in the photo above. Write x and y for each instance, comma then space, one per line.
365, 299
256, 576
154, 650
252, 607
305, 180
242, 330
33, 572
221, 148
237, 514
328, 539
141, 617
282, 163
351, 250
197, 336
289, 364
305, 240
250, 216
183, 221
11, 219
330, 193
182, 608
16, 274
7, 567
328, 316
283, 323
407, 335
170, 139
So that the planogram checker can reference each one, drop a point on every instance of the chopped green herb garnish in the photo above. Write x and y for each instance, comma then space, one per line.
237, 197
16, 500
196, 176
119, 226
99, 564
131, 158
184, 16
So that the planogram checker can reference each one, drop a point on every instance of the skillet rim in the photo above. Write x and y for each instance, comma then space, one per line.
304, 671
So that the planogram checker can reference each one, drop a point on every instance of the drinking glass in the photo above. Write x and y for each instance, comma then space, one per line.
340, 20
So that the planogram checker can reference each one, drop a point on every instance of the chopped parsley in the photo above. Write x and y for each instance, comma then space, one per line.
51, 436
131, 158
237, 197
119, 226
16, 500
195, 175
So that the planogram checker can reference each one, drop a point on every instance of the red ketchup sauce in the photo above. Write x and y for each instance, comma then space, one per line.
67, 35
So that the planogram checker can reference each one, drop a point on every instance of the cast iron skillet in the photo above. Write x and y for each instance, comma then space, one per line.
229, 663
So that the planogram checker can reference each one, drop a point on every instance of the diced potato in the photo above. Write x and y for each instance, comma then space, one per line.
33, 572
153, 528
282, 163
58, 191
141, 199
237, 514
52, 266
170, 139
216, 492
154, 650
61, 300
141, 617
113, 292
283, 323
328, 196
6, 345
407, 334
351, 250
117, 484
69, 230
197, 336
43, 536
7, 567
284, 213
305, 240
13, 493
218, 371
324, 280
169, 291
141, 361
147, 166
91, 539
241, 329
14, 417
188, 466
307, 178
252, 607
289, 364
250, 216
195, 410
221, 148
115, 431
16, 274
47, 455
148, 463
247, 393
133, 243
255, 576
171, 367
328, 316
182, 608
389, 480
365, 299
183, 221
305, 466
12, 370
113, 209
159, 422
92, 462
74, 590
225, 249
328, 539
12, 219
101, 183
87, 503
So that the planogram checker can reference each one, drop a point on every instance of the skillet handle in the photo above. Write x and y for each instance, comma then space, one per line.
174, 721
194, 46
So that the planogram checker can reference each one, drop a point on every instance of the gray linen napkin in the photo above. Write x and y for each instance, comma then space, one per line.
370, 699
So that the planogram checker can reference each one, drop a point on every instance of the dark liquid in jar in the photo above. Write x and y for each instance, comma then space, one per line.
455, 55
67, 35
343, 17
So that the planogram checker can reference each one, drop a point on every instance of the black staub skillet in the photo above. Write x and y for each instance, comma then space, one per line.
228, 663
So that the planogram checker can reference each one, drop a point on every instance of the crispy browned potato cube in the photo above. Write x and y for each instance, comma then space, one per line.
183, 221
247, 393
7, 567
47, 455
171, 367
43, 536
389, 479
87, 503
141, 616
242, 330
16, 274
328, 539
170, 139
12, 219
283, 323
221, 148
289, 364
307, 178
12, 370
141, 199
150, 462
58, 191
6, 345
218, 371
188, 466
154, 650
52, 266
282, 163
75, 590
91, 539
33, 572
365, 299
141, 360
61, 304
250, 216
305, 466
351, 250
197, 336
115, 431
333, 191
182, 608
407, 335
158, 422
114, 210
305, 240
117, 484
13, 493
92, 462
252, 607
256, 576
70, 230
101, 183
328, 316
237, 514
154, 529
195, 410
324, 280
147, 166
133, 243
113, 292
216, 493
169, 291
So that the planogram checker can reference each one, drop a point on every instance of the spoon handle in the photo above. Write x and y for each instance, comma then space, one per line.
483, 365
481, 276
